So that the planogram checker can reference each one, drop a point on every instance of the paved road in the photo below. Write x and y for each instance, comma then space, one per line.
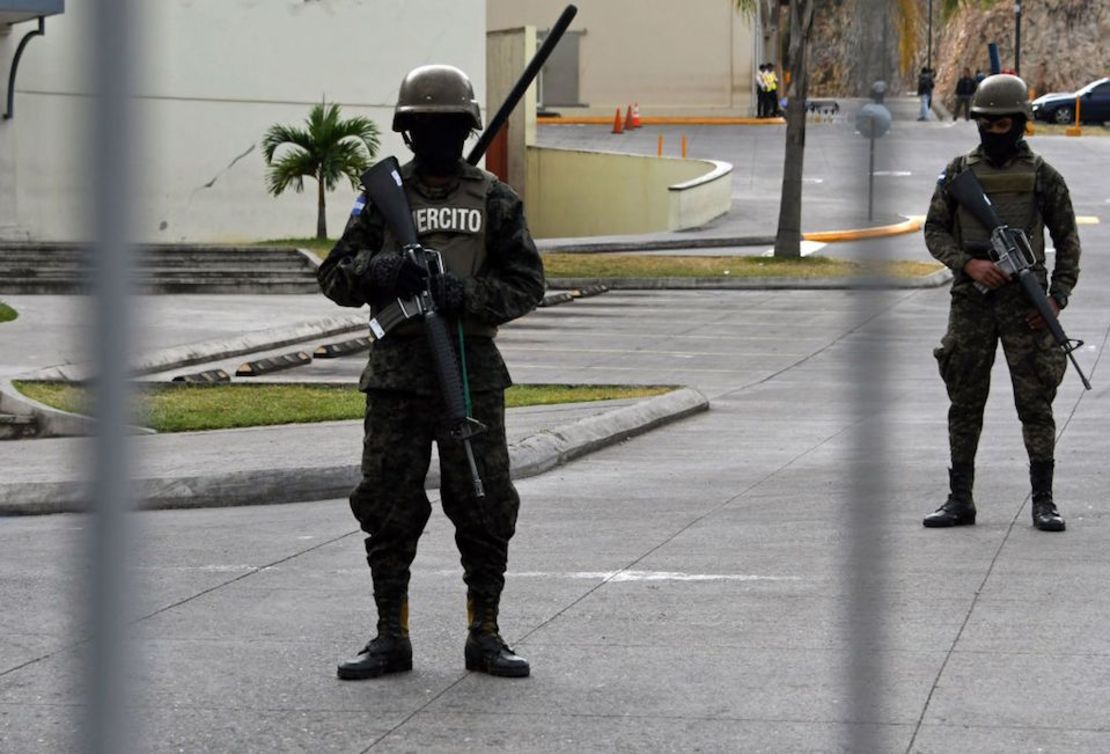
708, 587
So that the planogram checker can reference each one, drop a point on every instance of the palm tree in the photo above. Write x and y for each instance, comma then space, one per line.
328, 149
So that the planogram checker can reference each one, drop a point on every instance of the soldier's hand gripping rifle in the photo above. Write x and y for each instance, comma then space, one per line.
1010, 251
384, 188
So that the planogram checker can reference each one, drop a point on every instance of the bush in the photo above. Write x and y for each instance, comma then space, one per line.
7, 314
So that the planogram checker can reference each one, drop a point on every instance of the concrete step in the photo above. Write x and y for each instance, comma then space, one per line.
207, 284
17, 427
144, 259
63, 268
169, 273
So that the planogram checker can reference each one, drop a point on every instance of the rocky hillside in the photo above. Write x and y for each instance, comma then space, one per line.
1064, 44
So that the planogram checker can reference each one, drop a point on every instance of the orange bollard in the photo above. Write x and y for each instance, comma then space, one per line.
659, 148
684, 146
1075, 130
618, 128
635, 114
628, 120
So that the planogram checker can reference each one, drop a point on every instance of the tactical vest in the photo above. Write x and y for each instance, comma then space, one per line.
1015, 194
455, 226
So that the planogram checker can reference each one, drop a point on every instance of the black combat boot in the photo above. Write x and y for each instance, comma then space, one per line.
1045, 516
389, 651
486, 651
959, 509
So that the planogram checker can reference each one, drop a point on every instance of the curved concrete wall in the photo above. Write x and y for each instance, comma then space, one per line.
575, 193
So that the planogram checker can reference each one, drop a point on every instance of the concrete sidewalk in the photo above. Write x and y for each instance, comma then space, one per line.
287, 463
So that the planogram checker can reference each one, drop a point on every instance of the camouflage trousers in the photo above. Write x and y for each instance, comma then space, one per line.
976, 323
392, 507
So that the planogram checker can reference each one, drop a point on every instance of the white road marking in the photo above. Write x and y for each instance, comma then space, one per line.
808, 247
615, 576
1086, 220
893, 173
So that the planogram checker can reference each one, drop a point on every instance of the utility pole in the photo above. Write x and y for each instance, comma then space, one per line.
929, 62
1017, 37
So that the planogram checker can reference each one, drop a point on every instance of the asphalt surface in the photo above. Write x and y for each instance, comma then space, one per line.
711, 586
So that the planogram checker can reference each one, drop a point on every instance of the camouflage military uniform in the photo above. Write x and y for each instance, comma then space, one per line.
403, 405
977, 321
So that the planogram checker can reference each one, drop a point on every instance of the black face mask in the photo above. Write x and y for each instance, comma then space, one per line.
437, 147
1001, 147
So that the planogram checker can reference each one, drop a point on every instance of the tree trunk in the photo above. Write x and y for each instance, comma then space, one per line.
788, 240
321, 215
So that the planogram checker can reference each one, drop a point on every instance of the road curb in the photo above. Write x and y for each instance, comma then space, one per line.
932, 280
533, 455
664, 120
555, 246
910, 225
215, 350
52, 422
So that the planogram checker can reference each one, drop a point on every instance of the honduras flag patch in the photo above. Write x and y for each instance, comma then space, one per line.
360, 204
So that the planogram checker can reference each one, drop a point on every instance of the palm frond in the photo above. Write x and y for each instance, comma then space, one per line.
279, 135
290, 170
326, 149
747, 7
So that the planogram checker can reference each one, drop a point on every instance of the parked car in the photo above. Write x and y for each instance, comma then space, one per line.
1094, 105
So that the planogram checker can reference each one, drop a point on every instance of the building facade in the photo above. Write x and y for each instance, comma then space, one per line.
213, 76
697, 57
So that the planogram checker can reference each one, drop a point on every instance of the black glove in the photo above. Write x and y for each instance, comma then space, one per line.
449, 292
395, 275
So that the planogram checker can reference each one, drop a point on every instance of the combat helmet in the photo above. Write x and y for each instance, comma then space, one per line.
436, 89
1002, 94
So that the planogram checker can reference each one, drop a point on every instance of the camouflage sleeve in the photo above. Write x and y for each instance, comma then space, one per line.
510, 283
342, 276
1059, 218
941, 221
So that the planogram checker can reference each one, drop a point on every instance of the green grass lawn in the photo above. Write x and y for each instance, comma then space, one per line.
663, 266
173, 408
606, 265
7, 314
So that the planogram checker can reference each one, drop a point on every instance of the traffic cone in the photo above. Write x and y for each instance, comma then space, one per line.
628, 120
636, 115
618, 128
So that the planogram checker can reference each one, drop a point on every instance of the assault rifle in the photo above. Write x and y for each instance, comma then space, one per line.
1010, 251
384, 188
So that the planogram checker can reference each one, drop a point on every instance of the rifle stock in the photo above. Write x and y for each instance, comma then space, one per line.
384, 188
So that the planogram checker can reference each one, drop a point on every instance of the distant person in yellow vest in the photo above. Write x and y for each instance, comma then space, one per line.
761, 91
772, 91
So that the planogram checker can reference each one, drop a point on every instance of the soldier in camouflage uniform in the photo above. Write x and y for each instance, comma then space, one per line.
494, 275
1029, 194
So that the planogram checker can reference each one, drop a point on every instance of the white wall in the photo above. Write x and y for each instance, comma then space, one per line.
215, 75
689, 57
